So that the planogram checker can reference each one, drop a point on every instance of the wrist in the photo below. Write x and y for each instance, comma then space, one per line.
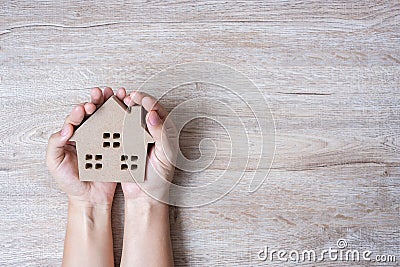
144, 200
89, 214
134, 195
144, 206
79, 202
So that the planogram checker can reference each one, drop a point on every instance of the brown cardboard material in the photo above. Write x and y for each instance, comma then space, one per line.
112, 144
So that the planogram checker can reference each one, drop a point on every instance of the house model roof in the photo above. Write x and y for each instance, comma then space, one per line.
112, 144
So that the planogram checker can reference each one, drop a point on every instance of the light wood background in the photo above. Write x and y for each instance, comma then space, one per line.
331, 74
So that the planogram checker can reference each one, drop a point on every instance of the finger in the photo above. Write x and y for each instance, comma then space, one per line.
76, 116
108, 92
90, 108
165, 137
154, 122
121, 93
148, 102
128, 101
97, 97
55, 148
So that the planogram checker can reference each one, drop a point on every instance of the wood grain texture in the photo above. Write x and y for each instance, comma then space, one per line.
330, 72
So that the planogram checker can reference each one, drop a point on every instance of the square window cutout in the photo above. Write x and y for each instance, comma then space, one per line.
88, 165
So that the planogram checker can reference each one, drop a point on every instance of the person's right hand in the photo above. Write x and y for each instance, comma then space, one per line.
161, 159
62, 160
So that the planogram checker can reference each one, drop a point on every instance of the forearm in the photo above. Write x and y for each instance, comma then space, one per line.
88, 240
146, 234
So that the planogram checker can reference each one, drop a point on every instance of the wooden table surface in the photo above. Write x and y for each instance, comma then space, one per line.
330, 72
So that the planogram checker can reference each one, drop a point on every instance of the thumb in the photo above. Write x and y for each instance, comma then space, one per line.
55, 148
165, 137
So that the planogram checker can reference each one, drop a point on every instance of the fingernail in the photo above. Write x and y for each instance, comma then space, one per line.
154, 119
128, 101
64, 131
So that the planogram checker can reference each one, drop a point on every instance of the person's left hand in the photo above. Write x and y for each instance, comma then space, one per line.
62, 160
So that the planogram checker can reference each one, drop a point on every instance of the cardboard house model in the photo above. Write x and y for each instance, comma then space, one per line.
112, 144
